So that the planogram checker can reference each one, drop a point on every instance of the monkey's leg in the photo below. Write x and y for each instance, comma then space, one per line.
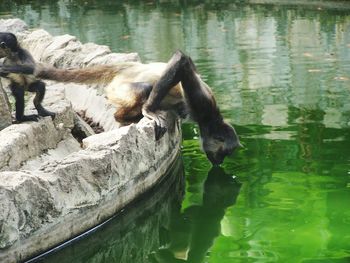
180, 68
127, 114
18, 93
130, 106
39, 88
169, 79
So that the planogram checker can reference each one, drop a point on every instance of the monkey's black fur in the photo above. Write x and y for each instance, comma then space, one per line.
22, 81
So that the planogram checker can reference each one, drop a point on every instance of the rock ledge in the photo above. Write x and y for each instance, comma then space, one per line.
53, 187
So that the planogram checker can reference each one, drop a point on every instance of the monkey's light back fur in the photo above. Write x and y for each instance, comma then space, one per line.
53, 188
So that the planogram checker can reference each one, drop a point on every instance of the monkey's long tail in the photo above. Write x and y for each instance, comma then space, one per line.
102, 74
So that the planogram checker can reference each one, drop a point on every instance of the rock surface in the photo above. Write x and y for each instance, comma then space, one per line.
51, 187
120, 240
5, 112
24, 141
13, 25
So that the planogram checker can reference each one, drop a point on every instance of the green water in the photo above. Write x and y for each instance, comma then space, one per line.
281, 74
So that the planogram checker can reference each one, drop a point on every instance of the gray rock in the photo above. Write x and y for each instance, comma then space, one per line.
24, 141
5, 110
52, 187
117, 241
44, 207
12, 25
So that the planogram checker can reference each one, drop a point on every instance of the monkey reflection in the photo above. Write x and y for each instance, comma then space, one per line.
192, 232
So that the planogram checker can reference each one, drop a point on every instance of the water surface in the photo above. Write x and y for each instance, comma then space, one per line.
281, 75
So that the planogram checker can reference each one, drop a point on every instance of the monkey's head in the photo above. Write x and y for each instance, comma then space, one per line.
8, 44
218, 141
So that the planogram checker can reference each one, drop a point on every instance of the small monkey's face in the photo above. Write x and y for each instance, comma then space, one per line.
8, 44
219, 142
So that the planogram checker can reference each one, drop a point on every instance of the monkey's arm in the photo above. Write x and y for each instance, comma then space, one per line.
21, 63
199, 98
3, 73
219, 139
26, 69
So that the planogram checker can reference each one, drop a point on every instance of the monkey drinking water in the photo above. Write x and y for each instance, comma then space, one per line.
14, 54
139, 89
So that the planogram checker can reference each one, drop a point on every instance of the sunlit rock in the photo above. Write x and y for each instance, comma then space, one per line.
12, 25
5, 113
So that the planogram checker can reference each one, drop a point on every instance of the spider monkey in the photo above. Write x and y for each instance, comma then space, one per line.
14, 54
142, 89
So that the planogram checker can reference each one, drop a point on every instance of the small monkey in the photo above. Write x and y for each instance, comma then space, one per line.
14, 54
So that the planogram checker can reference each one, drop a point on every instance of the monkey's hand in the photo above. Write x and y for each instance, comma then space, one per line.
160, 122
3, 71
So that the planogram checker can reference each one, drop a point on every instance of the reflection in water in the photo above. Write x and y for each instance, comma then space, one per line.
192, 232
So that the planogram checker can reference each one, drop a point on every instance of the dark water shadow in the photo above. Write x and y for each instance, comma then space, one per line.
192, 232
